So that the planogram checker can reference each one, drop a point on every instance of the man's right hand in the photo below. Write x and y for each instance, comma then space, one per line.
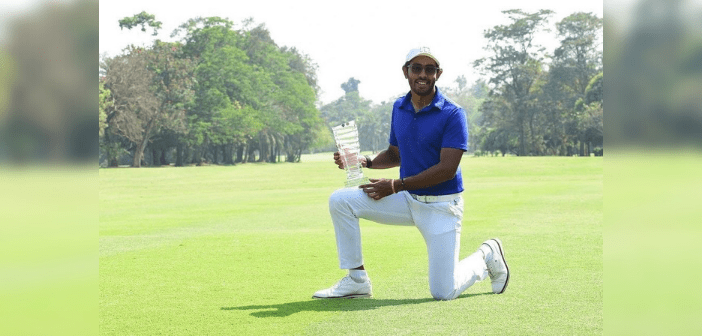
337, 159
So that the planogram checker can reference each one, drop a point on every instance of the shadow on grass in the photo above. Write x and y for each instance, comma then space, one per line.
289, 308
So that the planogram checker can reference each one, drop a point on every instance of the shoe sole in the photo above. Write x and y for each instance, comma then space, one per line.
502, 253
350, 296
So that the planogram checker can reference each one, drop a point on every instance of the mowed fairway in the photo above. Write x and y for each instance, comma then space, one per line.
239, 250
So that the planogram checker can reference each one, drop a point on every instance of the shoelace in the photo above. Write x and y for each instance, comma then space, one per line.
342, 281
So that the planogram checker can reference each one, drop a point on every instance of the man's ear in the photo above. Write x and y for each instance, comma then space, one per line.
404, 71
438, 74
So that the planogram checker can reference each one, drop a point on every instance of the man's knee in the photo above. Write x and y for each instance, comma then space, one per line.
336, 199
443, 296
443, 291
339, 200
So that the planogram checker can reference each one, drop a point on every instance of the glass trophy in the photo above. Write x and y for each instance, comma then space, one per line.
346, 137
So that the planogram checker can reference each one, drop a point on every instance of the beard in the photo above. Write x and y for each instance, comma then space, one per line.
422, 90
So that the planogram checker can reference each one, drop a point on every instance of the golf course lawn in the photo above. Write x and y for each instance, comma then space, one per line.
239, 250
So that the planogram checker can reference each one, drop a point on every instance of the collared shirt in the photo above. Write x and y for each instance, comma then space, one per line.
420, 136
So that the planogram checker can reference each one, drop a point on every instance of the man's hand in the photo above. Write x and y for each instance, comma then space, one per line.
340, 162
378, 188
337, 159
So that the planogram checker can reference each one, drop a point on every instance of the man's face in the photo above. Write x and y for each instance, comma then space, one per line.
421, 83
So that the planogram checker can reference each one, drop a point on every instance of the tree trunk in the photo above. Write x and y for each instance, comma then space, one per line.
273, 148
263, 147
240, 153
215, 154
155, 161
162, 160
136, 159
179, 155
139, 151
589, 148
522, 138
229, 154
582, 148
251, 152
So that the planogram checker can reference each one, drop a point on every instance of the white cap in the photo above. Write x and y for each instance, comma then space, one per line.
421, 51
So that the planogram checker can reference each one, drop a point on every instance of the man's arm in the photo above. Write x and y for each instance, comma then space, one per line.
388, 158
443, 171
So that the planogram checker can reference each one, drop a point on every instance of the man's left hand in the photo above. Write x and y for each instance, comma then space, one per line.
378, 188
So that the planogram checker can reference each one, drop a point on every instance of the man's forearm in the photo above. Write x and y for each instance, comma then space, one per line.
434, 175
386, 159
438, 173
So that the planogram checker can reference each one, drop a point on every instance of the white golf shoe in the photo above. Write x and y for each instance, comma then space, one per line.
496, 265
346, 288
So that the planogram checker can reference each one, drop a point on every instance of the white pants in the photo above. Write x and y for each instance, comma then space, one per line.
439, 223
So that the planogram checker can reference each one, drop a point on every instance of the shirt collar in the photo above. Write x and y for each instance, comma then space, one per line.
436, 103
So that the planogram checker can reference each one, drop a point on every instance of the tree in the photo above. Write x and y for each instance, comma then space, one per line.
594, 92
136, 107
461, 81
498, 128
244, 71
374, 129
578, 58
173, 86
515, 65
304, 64
226, 92
104, 103
351, 85
575, 63
142, 19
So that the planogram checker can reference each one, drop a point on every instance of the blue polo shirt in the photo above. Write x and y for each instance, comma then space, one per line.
421, 136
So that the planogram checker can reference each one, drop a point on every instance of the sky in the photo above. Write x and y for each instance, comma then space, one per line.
367, 40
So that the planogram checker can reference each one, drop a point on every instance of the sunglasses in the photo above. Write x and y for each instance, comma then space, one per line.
417, 69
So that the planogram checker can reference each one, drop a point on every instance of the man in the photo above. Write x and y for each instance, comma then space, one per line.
428, 136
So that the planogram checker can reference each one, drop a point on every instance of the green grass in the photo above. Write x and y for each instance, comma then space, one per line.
239, 250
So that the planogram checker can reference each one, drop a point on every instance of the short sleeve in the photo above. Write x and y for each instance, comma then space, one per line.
393, 139
456, 131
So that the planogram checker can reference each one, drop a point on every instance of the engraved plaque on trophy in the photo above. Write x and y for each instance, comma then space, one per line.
346, 137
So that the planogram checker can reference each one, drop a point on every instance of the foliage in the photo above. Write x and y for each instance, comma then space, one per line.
142, 19
540, 105
373, 122
514, 67
225, 92
239, 97
104, 103
136, 107
351, 85
594, 92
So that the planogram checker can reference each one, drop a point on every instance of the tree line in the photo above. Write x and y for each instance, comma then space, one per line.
220, 94
543, 103
225, 95
532, 102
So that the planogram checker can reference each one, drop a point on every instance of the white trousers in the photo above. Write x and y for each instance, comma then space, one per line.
439, 223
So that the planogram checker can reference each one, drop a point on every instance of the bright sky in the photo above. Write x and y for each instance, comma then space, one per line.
367, 40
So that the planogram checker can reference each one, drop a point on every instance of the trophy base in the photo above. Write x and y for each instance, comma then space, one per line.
357, 182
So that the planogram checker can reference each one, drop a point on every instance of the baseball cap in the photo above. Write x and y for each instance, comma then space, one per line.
421, 51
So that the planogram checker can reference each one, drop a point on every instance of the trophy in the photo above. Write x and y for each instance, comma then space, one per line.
346, 137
